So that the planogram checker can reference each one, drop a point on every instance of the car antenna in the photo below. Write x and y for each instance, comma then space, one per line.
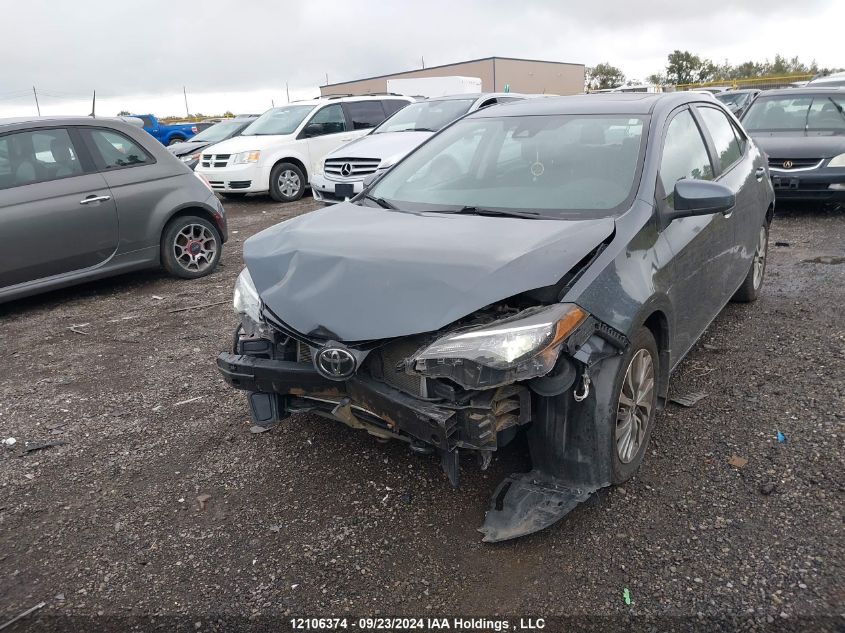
94, 105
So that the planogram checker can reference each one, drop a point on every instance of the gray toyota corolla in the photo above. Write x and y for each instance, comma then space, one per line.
83, 198
540, 266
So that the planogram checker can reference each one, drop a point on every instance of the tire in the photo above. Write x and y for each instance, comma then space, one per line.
287, 183
180, 257
174, 140
750, 288
233, 196
630, 432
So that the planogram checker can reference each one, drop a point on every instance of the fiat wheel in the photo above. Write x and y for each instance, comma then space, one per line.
191, 247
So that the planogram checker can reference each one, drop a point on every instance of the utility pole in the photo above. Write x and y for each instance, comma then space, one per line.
185, 93
422, 60
327, 79
287, 91
35, 94
272, 103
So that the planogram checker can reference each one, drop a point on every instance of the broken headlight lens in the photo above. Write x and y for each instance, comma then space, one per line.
246, 303
523, 346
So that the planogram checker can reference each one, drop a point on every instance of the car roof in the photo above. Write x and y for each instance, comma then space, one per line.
605, 103
48, 121
804, 91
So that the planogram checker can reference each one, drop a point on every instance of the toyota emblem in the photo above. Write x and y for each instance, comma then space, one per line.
346, 169
336, 363
787, 164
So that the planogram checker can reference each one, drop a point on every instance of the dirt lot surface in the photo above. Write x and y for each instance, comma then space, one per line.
314, 519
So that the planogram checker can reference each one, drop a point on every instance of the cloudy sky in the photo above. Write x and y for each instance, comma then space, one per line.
238, 55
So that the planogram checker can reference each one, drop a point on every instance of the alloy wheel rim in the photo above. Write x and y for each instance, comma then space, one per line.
289, 183
195, 247
760, 258
636, 402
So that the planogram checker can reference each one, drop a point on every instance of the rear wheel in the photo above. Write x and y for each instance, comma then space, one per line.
635, 405
750, 288
287, 182
176, 139
190, 247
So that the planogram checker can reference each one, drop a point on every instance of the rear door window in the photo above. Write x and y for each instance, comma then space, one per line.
365, 114
38, 156
684, 154
113, 150
391, 106
728, 148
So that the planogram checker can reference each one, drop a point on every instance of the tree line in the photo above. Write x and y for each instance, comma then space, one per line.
684, 67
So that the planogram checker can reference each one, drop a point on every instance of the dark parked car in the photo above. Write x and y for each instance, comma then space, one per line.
189, 151
737, 101
802, 130
82, 198
541, 265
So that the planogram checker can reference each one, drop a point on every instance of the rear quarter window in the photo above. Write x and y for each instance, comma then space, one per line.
114, 150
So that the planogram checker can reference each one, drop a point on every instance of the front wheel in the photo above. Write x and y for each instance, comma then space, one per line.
750, 288
635, 405
175, 140
190, 247
287, 182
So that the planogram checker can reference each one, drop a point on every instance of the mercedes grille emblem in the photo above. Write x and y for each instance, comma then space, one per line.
346, 169
336, 363
787, 164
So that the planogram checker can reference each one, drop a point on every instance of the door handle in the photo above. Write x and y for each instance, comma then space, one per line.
759, 173
91, 199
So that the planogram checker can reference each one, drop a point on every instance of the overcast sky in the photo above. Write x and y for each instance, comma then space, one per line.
238, 55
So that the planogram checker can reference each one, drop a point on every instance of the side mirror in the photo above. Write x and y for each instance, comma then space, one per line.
312, 129
700, 197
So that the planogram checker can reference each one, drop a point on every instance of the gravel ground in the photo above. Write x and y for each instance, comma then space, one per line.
314, 519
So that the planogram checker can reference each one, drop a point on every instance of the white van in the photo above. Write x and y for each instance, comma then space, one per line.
278, 152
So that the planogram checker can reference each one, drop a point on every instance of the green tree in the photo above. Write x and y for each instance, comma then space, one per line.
228, 114
685, 68
603, 76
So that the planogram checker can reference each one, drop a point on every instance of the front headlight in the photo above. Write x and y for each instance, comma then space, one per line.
523, 346
837, 161
247, 157
246, 303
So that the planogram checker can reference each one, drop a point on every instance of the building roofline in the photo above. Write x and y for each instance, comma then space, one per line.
468, 61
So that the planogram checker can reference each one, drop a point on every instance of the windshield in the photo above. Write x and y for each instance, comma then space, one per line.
558, 165
428, 116
735, 99
218, 132
820, 113
282, 120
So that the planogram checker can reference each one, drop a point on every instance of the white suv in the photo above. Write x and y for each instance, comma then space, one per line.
278, 152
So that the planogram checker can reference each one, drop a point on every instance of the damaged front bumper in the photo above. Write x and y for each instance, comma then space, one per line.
278, 387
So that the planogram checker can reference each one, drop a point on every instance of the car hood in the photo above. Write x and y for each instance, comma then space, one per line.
188, 147
250, 143
388, 146
356, 273
798, 145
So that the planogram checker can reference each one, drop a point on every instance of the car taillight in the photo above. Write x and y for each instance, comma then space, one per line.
194, 129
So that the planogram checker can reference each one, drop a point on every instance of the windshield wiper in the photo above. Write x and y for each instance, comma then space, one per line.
471, 210
384, 204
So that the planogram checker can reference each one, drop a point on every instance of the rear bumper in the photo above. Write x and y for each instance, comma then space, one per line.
826, 184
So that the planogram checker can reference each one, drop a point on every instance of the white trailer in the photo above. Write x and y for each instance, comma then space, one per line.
434, 86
